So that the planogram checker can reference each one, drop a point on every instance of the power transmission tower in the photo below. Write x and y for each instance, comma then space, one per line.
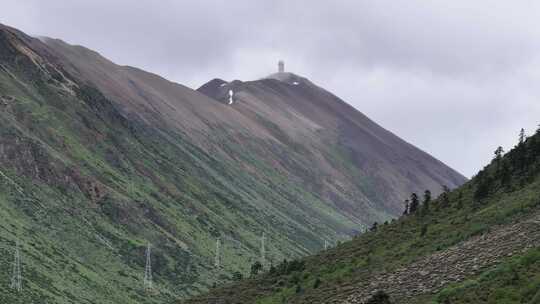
131, 188
325, 245
148, 284
16, 279
263, 249
217, 260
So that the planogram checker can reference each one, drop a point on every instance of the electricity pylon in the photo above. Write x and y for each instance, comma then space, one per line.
16, 279
325, 245
217, 259
148, 284
263, 249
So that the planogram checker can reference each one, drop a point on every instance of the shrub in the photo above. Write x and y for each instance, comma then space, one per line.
380, 297
317, 283
237, 276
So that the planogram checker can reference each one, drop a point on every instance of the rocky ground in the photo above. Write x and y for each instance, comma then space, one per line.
433, 272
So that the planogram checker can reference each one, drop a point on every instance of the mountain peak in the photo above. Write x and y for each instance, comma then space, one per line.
213, 87
287, 77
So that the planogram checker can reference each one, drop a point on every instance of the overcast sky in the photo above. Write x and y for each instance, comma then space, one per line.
455, 78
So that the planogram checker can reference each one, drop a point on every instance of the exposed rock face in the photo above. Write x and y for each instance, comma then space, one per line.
455, 264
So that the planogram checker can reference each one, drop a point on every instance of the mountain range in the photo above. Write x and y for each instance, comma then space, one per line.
100, 162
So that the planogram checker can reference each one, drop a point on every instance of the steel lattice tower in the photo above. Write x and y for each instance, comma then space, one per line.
263, 249
16, 279
217, 260
148, 284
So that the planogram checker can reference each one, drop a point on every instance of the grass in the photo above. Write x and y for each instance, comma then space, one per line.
401, 242
157, 186
516, 280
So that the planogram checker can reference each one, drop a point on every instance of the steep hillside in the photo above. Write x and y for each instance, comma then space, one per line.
98, 160
296, 129
476, 244
360, 165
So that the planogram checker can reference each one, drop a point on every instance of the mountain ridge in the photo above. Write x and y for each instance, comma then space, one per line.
316, 108
98, 160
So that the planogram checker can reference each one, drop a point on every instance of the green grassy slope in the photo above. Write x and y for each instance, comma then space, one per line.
84, 189
505, 192
516, 280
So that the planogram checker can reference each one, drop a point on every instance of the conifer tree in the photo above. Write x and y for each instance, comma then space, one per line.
413, 204
498, 153
256, 268
498, 157
522, 136
427, 201
521, 151
445, 197
505, 174
237, 276
406, 207
460, 200
273, 269
483, 185
317, 283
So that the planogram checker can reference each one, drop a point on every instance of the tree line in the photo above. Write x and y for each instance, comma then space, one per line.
505, 172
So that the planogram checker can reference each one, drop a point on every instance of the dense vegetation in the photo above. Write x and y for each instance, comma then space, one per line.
506, 190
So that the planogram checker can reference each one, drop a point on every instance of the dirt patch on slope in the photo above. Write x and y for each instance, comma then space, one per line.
432, 273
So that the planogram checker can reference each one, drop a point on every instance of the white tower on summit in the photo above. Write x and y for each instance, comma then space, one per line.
281, 66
